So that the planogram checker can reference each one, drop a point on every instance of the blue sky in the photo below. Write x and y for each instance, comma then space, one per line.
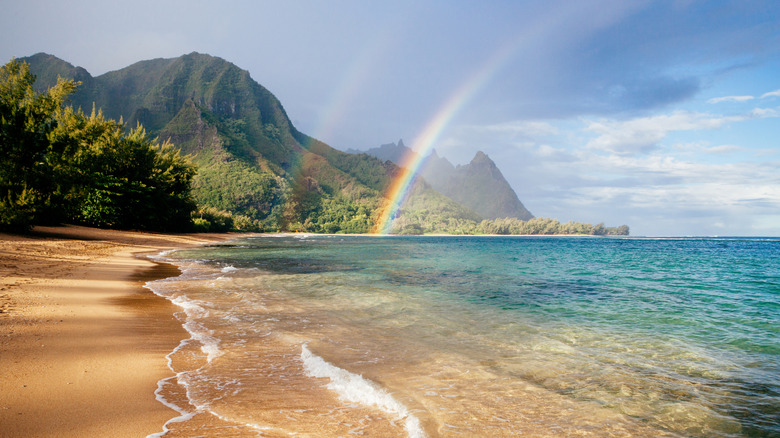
663, 115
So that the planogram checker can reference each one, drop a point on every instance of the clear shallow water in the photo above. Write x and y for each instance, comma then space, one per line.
477, 336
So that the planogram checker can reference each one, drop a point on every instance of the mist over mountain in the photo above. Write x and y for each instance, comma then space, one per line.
478, 185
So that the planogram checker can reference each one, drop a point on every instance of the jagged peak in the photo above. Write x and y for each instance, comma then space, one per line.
401, 143
434, 157
390, 145
481, 157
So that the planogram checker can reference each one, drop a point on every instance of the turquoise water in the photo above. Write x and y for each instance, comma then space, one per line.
477, 336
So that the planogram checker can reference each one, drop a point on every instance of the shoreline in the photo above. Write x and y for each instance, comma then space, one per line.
82, 341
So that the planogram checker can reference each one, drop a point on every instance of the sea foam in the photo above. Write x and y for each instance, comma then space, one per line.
209, 345
355, 389
184, 414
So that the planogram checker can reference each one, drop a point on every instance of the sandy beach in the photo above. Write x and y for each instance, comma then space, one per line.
82, 343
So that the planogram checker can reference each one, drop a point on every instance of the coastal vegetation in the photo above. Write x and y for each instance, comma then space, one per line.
194, 144
58, 164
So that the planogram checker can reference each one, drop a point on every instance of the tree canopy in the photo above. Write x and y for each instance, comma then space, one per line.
57, 164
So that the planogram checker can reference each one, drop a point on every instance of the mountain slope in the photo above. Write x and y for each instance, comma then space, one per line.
479, 185
251, 160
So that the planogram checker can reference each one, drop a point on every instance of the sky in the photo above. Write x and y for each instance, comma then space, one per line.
662, 115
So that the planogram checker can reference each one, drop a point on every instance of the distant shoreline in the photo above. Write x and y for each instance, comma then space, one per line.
586, 236
433, 235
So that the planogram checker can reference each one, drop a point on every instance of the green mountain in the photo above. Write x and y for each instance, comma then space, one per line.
479, 185
251, 160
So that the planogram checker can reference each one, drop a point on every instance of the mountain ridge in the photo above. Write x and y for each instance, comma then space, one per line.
478, 185
250, 158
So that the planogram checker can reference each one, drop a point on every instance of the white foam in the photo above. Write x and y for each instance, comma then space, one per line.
355, 389
194, 310
209, 345
184, 415
163, 256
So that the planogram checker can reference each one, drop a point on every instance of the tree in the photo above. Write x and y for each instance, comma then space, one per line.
599, 230
57, 164
26, 119
622, 230
112, 179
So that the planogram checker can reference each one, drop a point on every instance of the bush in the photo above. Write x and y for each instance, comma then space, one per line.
200, 225
218, 221
247, 224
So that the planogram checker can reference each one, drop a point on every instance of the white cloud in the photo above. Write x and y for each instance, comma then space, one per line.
731, 99
764, 113
547, 150
552, 154
643, 134
677, 190
775, 93
703, 147
657, 193
526, 128
723, 149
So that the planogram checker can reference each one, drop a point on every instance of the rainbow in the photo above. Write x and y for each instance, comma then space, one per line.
399, 188
543, 27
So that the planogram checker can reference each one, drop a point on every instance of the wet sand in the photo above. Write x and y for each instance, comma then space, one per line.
82, 343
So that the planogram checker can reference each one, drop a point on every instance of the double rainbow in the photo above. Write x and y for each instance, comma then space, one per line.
359, 71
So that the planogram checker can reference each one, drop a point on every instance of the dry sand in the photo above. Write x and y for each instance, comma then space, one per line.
82, 343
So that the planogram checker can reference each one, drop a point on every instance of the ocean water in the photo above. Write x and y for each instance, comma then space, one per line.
330, 336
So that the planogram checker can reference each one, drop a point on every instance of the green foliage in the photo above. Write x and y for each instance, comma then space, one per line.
622, 230
26, 119
212, 220
411, 230
58, 164
434, 213
340, 215
546, 226
246, 224
370, 171
233, 185
414, 223
118, 180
